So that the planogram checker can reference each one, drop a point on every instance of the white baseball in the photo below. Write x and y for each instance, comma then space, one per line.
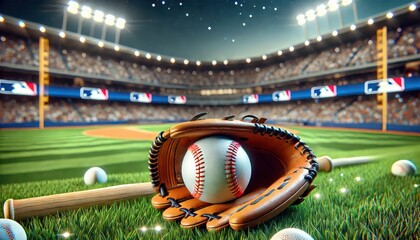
95, 174
291, 234
10, 229
216, 169
403, 168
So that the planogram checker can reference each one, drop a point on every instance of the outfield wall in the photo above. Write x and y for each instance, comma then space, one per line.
370, 126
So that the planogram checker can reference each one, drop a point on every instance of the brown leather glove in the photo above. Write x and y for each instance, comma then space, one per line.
283, 168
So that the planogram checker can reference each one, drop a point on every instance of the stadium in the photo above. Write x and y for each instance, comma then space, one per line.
70, 101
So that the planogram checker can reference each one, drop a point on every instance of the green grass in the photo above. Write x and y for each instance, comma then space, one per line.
379, 206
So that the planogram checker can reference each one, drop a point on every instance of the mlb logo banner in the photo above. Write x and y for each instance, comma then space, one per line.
380, 86
94, 93
253, 98
17, 87
177, 99
282, 96
324, 91
141, 97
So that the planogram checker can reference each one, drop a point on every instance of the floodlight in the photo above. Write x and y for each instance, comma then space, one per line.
62, 34
148, 56
264, 57
116, 48
310, 14
334, 33
301, 19
136, 53
86, 12
73, 7
389, 15
370, 21
109, 20
353, 27
248, 60
1, 19
332, 5
22, 24
319, 38
98, 16
159, 58
291, 48
186, 61
100, 44
172, 60
225, 62
321, 10
120, 23
214, 62
82, 39
346, 2
307, 43
42, 29
412, 7
279, 53
198, 63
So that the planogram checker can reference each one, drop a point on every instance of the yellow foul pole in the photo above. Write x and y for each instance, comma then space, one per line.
382, 72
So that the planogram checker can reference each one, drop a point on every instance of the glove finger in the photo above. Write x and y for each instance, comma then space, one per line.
183, 209
217, 216
270, 203
171, 198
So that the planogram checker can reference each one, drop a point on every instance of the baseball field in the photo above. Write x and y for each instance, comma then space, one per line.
355, 202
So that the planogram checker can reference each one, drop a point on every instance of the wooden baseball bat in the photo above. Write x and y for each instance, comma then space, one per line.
40, 206
326, 164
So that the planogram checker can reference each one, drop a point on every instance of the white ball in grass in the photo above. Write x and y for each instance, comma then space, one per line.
404, 168
291, 234
10, 229
95, 174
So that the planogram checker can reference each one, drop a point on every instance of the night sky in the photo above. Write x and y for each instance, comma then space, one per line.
201, 29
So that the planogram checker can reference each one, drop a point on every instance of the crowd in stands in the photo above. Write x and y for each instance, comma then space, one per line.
89, 68
403, 109
14, 50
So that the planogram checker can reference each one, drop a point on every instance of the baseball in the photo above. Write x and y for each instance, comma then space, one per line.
291, 234
216, 169
95, 174
403, 168
10, 229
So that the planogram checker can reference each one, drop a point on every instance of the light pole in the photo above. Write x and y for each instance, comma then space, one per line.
301, 19
86, 12
119, 24
322, 10
73, 8
110, 21
98, 16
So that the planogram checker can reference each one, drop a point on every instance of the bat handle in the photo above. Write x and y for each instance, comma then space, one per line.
40, 206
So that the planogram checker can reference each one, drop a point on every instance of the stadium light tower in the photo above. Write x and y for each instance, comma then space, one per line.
85, 13
301, 19
322, 10
110, 21
73, 8
97, 16
120, 24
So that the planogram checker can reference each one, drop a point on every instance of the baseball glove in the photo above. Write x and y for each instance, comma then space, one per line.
283, 168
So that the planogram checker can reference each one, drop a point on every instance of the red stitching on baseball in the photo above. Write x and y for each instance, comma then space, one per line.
8, 229
199, 170
230, 169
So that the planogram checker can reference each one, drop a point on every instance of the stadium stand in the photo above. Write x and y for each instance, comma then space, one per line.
349, 61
